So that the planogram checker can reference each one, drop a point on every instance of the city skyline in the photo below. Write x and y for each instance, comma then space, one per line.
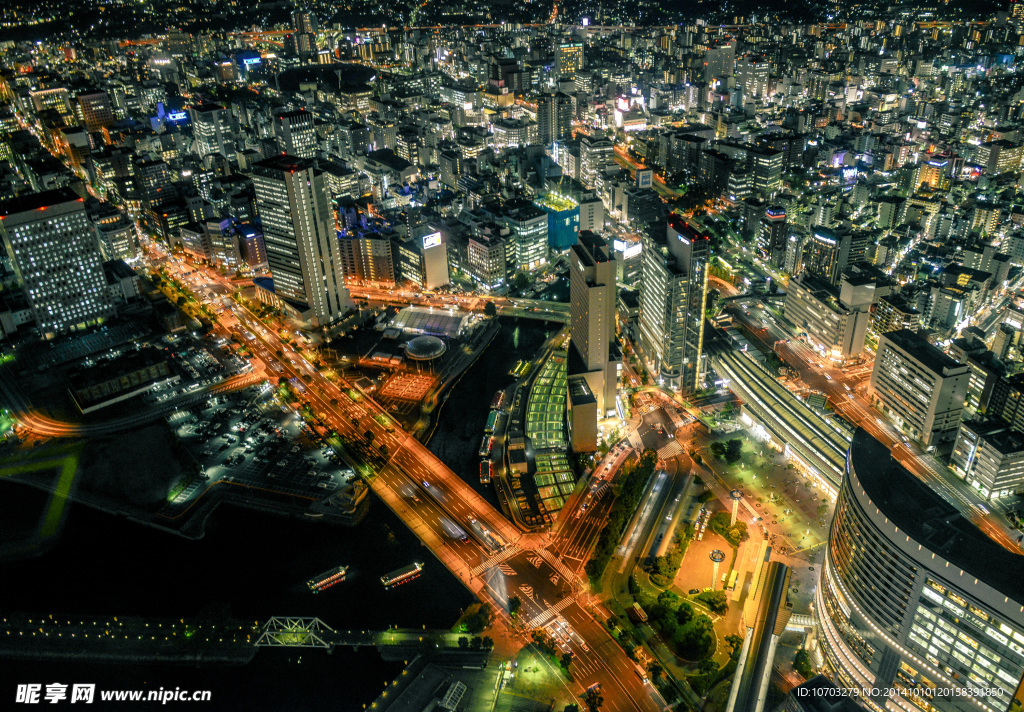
605, 356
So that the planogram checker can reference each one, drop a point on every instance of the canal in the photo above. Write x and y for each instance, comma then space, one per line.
460, 426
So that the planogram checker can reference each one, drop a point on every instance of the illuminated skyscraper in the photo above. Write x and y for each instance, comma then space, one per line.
673, 289
296, 135
298, 232
54, 250
592, 293
211, 127
915, 598
568, 58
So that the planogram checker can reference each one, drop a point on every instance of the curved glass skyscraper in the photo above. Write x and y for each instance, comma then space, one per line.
914, 598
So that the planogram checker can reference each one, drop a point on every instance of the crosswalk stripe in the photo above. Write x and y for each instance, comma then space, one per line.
550, 612
556, 563
503, 555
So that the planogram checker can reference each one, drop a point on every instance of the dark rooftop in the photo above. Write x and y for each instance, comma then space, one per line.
119, 269
900, 304
999, 435
389, 158
38, 201
86, 376
284, 162
594, 247
579, 391
914, 344
926, 517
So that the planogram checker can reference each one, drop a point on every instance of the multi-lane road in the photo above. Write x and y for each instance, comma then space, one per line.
843, 389
463, 530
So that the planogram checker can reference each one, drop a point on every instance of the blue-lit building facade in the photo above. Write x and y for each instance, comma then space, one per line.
563, 220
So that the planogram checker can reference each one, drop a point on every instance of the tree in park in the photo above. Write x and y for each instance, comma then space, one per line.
733, 450
802, 664
654, 670
735, 643
593, 700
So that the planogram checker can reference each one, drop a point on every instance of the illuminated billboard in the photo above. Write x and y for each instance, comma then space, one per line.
431, 240
250, 61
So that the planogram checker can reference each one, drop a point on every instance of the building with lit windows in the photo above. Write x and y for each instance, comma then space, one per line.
771, 235
250, 246
421, 259
766, 171
752, 76
563, 219
529, 226
989, 456
835, 321
513, 133
893, 313
594, 353
366, 256
486, 258
53, 247
828, 253
116, 235
554, 117
298, 233
211, 127
569, 58
295, 133
673, 290
628, 259
597, 152
94, 110
914, 597
918, 386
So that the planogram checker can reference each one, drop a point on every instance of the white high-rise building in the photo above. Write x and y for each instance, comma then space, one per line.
296, 134
592, 274
54, 250
673, 289
596, 154
752, 76
918, 386
211, 127
298, 232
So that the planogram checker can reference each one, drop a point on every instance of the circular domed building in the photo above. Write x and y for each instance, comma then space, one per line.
425, 349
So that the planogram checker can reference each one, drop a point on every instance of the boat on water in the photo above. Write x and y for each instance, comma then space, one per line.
401, 576
328, 578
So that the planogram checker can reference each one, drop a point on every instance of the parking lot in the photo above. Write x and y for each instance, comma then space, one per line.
201, 361
249, 440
